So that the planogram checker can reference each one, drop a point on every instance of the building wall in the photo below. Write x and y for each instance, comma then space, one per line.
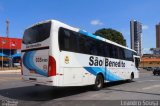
155, 51
10, 43
10, 46
149, 64
150, 60
158, 36
135, 32
132, 33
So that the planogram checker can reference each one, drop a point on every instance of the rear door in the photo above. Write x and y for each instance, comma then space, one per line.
35, 50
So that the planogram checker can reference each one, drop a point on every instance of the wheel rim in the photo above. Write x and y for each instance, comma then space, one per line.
131, 76
99, 83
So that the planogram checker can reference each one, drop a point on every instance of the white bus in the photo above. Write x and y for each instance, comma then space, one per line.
57, 54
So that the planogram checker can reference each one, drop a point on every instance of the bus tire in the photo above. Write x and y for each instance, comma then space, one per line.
99, 82
37, 84
131, 77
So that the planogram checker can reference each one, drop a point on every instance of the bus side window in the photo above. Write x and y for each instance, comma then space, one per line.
93, 47
73, 42
121, 53
66, 40
128, 55
110, 48
100, 48
88, 45
82, 47
106, 50
116, 52
61, 38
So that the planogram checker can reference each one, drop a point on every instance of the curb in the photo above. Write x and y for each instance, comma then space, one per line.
10, 71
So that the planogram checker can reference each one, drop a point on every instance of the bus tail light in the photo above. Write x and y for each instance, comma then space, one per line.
51, 67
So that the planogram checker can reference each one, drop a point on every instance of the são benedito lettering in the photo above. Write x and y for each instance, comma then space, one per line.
95, 61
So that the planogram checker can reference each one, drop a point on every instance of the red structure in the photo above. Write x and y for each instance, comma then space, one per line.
10, 43
9, 50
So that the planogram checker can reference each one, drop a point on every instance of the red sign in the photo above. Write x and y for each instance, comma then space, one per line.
10, 43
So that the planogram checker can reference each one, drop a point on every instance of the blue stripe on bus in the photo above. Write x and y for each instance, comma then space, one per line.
109, 76
91, 35
29, 63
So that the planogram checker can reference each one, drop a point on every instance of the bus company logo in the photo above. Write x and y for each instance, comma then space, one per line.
95, 61
66, 60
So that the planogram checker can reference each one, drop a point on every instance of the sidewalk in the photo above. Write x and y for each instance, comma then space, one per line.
17, 71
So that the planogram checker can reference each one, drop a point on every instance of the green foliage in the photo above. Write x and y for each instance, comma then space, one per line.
112, 35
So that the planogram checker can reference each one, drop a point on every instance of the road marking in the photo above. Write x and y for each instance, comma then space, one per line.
147, 81
3, 80
11, 78
151, 87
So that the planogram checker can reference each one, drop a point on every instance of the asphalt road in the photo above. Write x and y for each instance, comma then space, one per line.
13, 90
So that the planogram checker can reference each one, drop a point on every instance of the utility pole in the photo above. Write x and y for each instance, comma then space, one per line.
7, 28
7, 33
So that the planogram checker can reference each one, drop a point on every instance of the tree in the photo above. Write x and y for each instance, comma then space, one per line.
112, 35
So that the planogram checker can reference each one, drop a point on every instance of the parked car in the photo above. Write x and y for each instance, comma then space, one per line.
149, 68
156, 71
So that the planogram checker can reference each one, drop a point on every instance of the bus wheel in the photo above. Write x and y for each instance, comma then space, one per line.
98, 82
131, 77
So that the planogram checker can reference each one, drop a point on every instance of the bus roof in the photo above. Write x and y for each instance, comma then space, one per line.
103, 39
83, 32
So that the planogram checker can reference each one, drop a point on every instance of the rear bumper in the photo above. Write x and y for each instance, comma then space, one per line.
49, 81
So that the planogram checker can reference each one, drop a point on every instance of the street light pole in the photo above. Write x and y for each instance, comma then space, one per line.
7, 28
10, 44
2, 54
2, 58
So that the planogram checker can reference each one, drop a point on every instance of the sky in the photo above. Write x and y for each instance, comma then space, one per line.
89, 15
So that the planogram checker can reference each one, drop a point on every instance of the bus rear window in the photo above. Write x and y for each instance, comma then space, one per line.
37, 33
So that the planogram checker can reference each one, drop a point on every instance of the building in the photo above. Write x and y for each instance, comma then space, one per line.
155, 51
158, 35
136, 34
8, 48
150, 60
